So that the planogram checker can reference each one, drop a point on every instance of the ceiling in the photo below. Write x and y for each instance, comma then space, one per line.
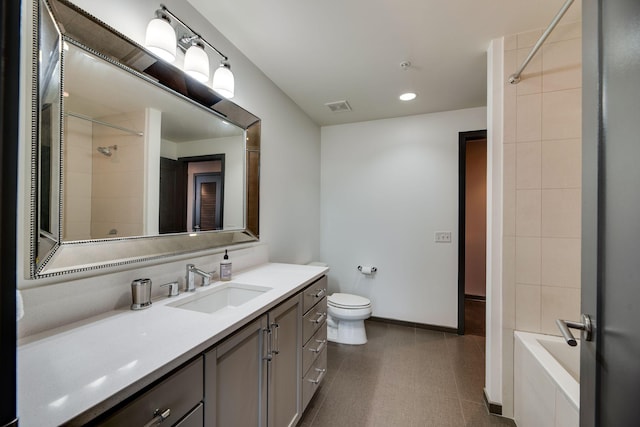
331, 50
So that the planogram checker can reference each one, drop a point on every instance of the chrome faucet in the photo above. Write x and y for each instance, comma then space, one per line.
192, 270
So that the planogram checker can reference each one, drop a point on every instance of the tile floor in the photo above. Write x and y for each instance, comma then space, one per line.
403, 376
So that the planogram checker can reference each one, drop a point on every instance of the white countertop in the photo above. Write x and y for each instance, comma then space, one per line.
97, 362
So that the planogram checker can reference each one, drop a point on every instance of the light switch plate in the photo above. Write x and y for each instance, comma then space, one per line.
443, 237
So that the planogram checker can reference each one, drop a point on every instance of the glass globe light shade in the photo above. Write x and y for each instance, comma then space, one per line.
223, 81
161, 39
196, 63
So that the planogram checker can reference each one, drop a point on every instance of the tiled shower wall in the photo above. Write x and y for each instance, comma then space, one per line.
118, 181
542, 187
78, 178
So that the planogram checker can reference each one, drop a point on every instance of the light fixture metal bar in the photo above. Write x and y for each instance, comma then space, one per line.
515, 77
181, 22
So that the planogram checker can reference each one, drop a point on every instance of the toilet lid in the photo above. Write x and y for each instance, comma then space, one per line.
348, 301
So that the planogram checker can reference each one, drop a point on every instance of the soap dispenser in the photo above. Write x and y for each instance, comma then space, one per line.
225, 267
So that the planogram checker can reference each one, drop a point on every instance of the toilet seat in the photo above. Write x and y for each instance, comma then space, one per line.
346, 314
348, 301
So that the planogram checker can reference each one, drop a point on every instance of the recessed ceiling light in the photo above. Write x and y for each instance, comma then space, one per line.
408, 96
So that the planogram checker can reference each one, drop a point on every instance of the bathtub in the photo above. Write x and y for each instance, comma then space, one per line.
546, 381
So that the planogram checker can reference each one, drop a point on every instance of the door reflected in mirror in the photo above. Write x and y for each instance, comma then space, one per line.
140, 161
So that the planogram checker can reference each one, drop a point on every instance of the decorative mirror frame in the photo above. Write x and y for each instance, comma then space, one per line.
86, 31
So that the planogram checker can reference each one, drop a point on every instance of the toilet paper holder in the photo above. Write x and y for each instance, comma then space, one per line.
367, 270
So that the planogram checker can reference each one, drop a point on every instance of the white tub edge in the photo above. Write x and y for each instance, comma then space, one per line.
569, 386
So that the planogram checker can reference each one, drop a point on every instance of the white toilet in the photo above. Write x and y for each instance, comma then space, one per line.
345, 318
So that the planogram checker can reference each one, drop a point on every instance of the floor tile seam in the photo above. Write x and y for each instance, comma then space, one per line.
455, 379
478, 346
464, 418
320, 405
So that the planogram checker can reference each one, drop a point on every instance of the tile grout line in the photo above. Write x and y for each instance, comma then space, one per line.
455, 380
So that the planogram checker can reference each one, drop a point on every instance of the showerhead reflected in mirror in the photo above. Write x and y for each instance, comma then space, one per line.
107, 151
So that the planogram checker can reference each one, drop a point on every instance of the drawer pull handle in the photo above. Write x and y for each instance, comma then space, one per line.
269, 356
319, 378
319, 319
276, 342
159, 416
320, 347
319, 293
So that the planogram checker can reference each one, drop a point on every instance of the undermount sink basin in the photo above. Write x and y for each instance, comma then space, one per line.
227, 296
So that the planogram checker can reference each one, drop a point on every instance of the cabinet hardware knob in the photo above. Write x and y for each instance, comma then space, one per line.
319, 319
320, 347
319, 377
159, 415
276, 342
318, 293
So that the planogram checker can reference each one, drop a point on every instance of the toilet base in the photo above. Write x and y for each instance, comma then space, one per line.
346, 332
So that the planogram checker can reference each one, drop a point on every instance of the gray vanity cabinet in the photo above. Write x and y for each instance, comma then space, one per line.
236, 379
285, 365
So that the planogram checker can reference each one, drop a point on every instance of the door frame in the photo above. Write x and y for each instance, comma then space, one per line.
197, 159
463, 139
218, 179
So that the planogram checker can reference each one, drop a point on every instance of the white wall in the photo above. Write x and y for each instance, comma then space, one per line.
290, 174
387, 186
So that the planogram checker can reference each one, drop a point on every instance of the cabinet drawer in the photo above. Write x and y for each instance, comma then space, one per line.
313, 378
194, 419
314, 319
313, 348
314, 293
179, 393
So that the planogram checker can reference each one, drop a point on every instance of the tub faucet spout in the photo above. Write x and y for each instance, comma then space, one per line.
585, 327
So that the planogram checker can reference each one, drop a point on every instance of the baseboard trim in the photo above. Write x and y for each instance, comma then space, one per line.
493, 408
414, 325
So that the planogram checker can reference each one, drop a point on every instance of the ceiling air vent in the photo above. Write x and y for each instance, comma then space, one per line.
338, 106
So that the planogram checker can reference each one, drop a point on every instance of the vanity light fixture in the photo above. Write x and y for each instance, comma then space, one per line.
196, 60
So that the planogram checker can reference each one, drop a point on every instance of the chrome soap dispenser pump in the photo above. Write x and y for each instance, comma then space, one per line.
225, 268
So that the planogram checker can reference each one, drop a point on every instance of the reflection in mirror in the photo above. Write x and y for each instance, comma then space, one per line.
140, 157
48, 148
139, 161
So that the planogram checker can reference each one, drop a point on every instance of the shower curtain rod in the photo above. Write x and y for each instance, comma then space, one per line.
515, 77
100, 122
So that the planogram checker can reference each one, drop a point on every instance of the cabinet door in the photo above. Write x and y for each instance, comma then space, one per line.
235, 379
285, 365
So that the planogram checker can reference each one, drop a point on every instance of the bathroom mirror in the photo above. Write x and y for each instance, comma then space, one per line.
132, 160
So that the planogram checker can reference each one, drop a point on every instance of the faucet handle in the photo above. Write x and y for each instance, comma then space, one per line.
174, 288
